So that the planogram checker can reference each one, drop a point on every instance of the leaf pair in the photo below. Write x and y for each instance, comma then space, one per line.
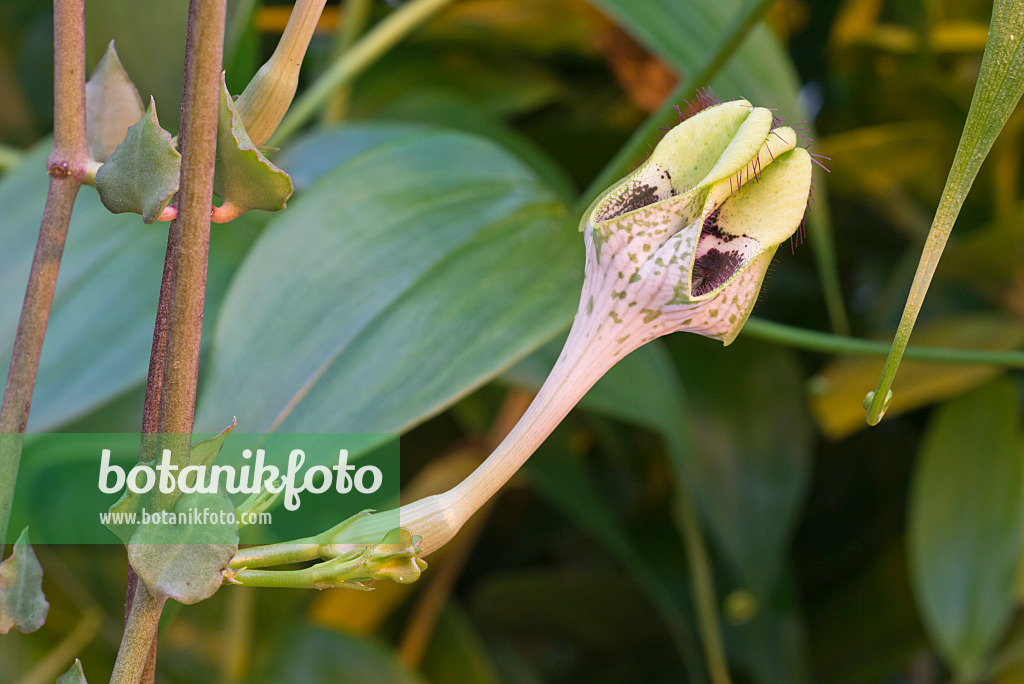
142, 166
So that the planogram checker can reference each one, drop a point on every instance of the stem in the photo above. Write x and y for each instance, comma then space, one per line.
265, 100
732, 36
198, 143
368, 50
827, 343
66, 166
356, 17
139, 634
174, 359
703, 589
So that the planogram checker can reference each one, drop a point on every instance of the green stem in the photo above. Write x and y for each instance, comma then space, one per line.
66, 166
368, 50
139, 634
356, 17
733, 34
297, 551
703, 589
827, 343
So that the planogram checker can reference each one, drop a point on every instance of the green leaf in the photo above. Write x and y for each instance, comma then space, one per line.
142, 174
456, 652
150, 41
965, 522
95, 351
75, 675
684, 32
205, 451
750, 463
112, 105
22, 604
244, 178
185, 561
998, 90
567, 482
317, 655
400, 281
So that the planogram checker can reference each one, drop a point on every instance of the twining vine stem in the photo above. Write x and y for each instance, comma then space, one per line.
66, 166
170, 405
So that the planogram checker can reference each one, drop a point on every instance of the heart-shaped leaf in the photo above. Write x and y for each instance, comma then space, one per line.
142, 174
244, 178
22, 604
112, 105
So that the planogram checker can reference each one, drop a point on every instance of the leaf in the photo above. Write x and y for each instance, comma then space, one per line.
683, 33
142, 174
999, 88
22, 604
184, 561
400, 281
837, 389
95, 351
112, 105
315, 154
965, 522
317, 655
456, 652
244, 179
75, 675
150, 41
750, 464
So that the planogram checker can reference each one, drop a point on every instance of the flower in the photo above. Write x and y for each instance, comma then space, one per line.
682, 243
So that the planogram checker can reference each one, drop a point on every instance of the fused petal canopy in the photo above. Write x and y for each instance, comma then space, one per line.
683, 242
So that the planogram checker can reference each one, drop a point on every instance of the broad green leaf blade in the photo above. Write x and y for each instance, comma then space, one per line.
965, 522
95, 350
112, 105
399, 282
244, 178
999, 89
22, 604
142, 174
74, 675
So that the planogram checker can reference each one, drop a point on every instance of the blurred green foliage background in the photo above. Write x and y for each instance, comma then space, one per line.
697, 489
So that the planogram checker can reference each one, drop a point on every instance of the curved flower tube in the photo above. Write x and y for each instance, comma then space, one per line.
682, 243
